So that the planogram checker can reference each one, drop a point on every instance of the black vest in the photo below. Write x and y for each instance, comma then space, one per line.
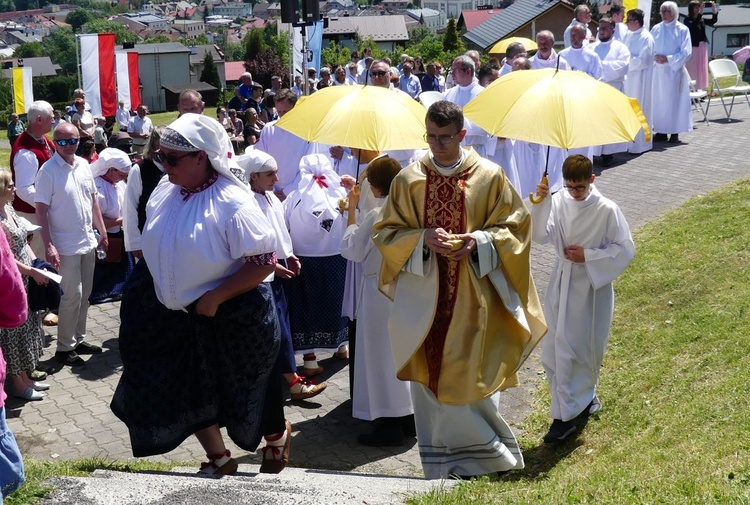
150, 177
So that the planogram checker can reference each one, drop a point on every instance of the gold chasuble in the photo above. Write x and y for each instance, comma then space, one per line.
462, 329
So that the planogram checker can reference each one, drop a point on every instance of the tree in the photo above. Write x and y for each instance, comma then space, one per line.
210, 73
452, 42
266, 64
418, 34
234, 51
335, 54
254, 43
78, 18
122, 34
158, 39
60, 46
29, 50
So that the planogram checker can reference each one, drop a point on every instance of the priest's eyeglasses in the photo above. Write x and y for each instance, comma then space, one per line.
576, 189
443, 140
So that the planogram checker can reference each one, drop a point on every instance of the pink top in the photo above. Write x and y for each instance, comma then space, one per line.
13, 304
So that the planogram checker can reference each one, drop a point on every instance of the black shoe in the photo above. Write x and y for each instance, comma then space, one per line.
559, 431
608, 160
86, 348
660, 137
383, 436
674, 139
69, 358
408, 427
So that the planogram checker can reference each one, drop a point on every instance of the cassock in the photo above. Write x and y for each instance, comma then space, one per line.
670, 86
505, 70
615, 57
579, 302
459, 330
377, 391
461, 95
638, 84
533, 159
552, 62
583, 60
621, 31
500, 151
287, 149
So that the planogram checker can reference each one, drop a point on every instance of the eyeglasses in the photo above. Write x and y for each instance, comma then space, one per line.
378, 73
171, 159
443, 140
576, 189
66, 142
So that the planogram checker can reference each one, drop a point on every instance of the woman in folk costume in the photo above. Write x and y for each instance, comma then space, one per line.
316, 228
378, 393
110, 172
261, 171
199, 335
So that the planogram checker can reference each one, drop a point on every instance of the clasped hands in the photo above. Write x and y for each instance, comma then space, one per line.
438, 240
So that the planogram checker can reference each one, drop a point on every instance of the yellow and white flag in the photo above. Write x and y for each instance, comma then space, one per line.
644, 5
23, 90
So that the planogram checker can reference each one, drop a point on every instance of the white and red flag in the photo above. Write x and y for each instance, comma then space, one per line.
128, 85
98, 72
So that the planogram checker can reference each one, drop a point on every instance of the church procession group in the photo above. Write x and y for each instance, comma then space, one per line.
413, 264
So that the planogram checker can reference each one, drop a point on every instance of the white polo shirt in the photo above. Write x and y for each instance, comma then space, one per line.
69, 191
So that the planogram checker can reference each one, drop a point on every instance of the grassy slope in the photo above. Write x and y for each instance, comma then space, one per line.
675, 423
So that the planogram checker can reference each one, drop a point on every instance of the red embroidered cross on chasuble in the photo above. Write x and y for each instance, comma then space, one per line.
444, 208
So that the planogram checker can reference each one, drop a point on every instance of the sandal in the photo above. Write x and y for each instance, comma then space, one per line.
275, 458
219, 464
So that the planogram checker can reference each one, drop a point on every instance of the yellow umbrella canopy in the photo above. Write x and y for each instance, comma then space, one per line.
364, 117
502, 46
564, 109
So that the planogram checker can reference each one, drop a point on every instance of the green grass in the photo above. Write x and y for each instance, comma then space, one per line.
676, 420
37, 472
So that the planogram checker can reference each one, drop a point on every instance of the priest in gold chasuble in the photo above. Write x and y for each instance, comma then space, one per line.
456, 239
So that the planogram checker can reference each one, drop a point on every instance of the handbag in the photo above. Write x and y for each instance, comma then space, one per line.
114, 251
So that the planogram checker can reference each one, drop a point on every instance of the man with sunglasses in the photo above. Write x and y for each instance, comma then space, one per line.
456, 239
68, 212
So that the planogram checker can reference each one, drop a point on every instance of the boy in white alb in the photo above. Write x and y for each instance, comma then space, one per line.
593, 245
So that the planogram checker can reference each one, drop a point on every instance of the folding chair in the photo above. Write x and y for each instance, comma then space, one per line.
726, 80
696, 98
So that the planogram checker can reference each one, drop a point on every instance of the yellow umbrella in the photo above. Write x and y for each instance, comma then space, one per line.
364, 117
563, 109
502, 46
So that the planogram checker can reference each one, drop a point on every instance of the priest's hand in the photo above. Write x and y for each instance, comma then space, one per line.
660, 58
437, 240
469, 245
574, 253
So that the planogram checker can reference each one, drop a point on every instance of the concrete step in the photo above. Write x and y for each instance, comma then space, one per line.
298, 486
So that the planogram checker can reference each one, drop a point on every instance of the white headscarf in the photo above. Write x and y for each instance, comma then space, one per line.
255, 161
196, 132
111, 158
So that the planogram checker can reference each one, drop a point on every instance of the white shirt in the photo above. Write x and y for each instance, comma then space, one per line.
287, 149
192, 246
461, 95
273, 209
566, 35
140, 126
123, 118
69, 192
26, 165
111, 198
615, 58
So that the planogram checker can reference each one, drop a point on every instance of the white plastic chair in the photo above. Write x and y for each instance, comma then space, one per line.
696, 97
727, 70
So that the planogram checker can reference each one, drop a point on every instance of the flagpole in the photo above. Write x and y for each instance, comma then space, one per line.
78, 63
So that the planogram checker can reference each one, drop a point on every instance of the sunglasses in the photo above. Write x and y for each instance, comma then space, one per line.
171, 159
379, 73
66, 142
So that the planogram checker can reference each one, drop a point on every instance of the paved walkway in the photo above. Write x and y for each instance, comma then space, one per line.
74, 420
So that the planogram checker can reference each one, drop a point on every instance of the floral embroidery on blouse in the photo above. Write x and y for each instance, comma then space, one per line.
186, 192
262, 259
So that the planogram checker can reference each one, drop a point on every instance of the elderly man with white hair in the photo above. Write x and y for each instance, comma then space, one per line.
245, 90
671, 90
580, 56
199, 335
582, 16
546, 56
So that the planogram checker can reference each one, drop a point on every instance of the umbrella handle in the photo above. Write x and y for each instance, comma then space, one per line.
532, 198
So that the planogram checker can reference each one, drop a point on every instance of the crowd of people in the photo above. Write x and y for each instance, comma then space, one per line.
412, 264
